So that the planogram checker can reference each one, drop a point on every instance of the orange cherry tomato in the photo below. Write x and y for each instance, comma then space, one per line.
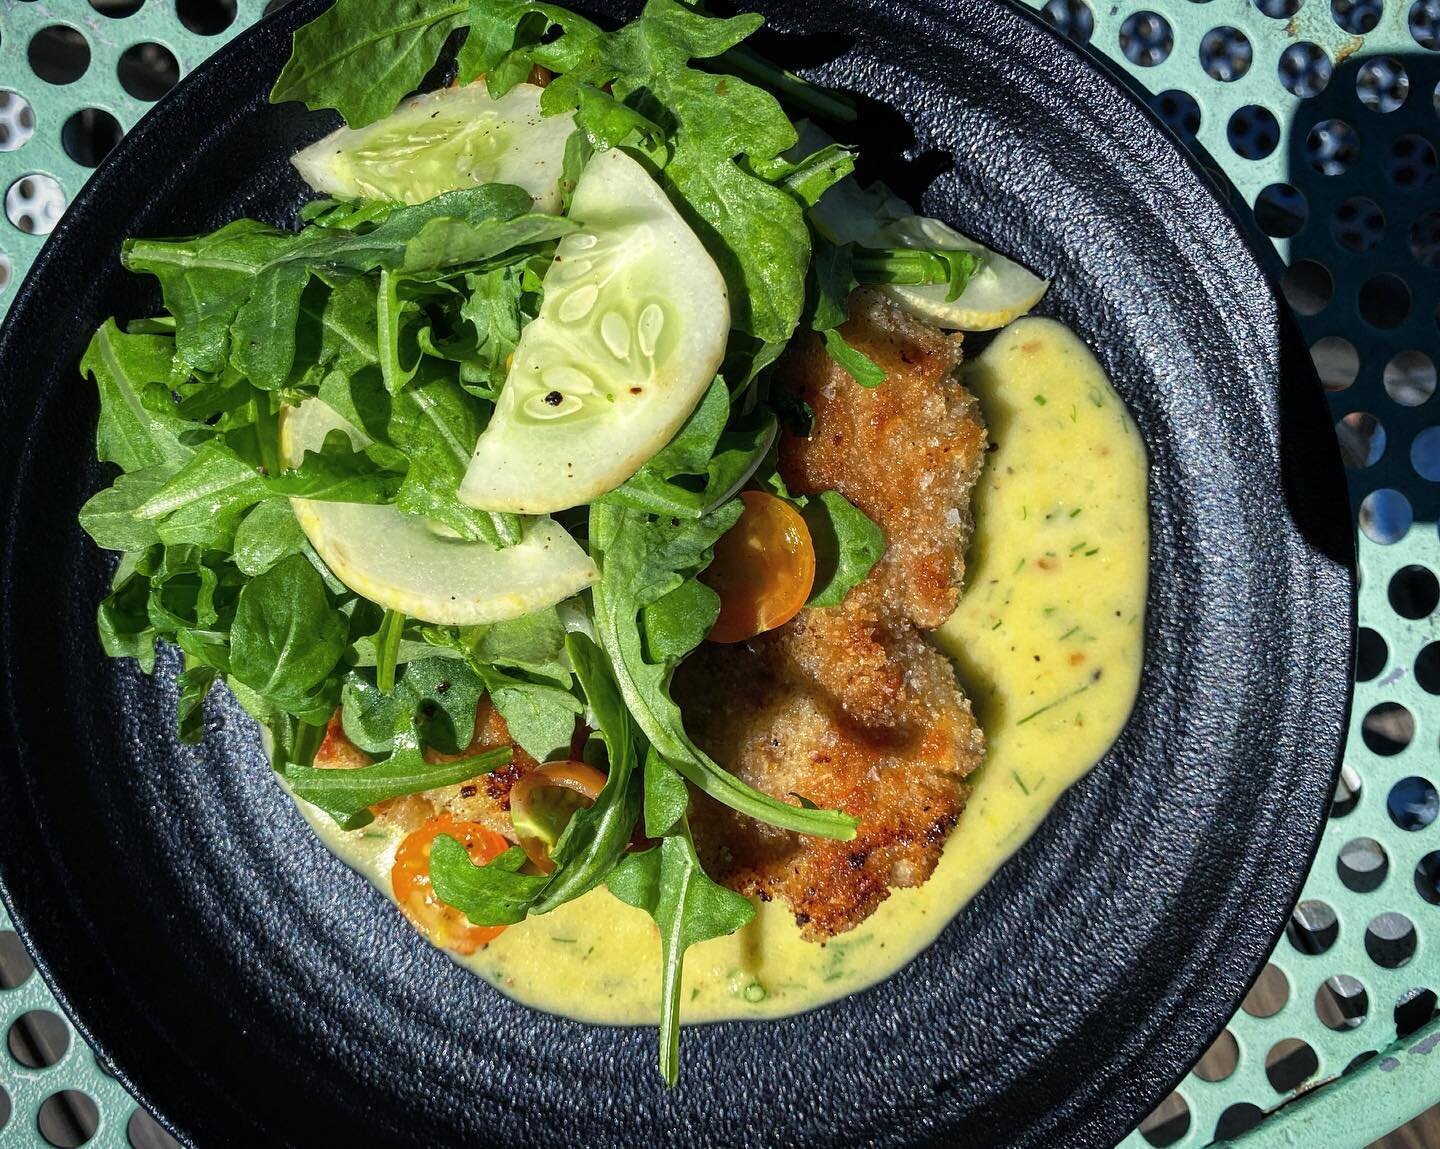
764, 569
527, 798
444, 925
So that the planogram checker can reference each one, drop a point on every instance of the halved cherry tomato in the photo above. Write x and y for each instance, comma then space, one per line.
528, 796
763, 571
410, 880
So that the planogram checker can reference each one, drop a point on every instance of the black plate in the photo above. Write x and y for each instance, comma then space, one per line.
255, 991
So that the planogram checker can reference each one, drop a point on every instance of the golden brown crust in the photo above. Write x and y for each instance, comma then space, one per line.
850, 706
907, 453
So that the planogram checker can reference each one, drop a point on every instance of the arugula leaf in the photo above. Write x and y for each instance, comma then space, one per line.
495, 894
435, 424
669, 885
204, 501
435, 697
676, 623
287, 639
666, 798
361, 58
347, 795
110, 518
641, 561
268, 533
595, 839
847, 545
832, 279
128, 370
194, 683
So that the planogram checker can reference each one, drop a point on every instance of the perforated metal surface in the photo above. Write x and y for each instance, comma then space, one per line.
1322, 115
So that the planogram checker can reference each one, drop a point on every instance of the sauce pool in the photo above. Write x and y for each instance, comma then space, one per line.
1047, 642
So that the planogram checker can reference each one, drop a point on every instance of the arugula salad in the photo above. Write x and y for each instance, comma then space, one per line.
473, 426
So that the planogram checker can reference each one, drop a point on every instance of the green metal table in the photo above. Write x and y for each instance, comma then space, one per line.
1320, 121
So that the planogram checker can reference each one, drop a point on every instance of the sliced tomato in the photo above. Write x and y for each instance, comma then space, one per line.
764, 569
444, 925
543, 801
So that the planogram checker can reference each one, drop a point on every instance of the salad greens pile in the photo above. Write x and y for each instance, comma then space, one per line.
403, 319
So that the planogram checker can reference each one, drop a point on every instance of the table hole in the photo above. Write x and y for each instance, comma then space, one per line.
1305, 69
1427, 668
1268, 995
1425, 454
1180, 112
1253, 132
1362, 439
1071, 18
144, 1132
1390, 940
1425, 24
1362, 865
147, 71
5, 1108
1237, 1119
1427, 877
16, 968
1312, 929
17, 121
1410, 163
1356, 16
1413, 1009
1348, 787
58, 54
34, 203
1289, 1064
1386, 516
206, 17
1146, 39
1342, 1002
1220, 1060
1412, 803
1382, 84
1358, 224
117, 9
1384, 301
1226, 54
1308, 286
1371, 654
1281, 210
1414, 591
88, 136
1387, 728
38, 1039
1169, 1122
1336, 362
1279, 9
68, 1119
1410, 377
1332, 146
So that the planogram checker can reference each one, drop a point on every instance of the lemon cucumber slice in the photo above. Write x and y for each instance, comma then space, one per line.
397, 561
629, 336
443, 141
1001, 291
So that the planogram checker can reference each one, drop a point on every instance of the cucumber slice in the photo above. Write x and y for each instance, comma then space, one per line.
629, 336
397, 561
1001, 291
443, 141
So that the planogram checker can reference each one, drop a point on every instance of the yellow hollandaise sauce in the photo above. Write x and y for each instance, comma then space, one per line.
1047, 642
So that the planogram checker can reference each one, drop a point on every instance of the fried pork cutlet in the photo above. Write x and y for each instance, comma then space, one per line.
485, 799
850, 706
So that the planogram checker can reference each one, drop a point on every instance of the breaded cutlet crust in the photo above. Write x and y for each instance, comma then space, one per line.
850, 706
